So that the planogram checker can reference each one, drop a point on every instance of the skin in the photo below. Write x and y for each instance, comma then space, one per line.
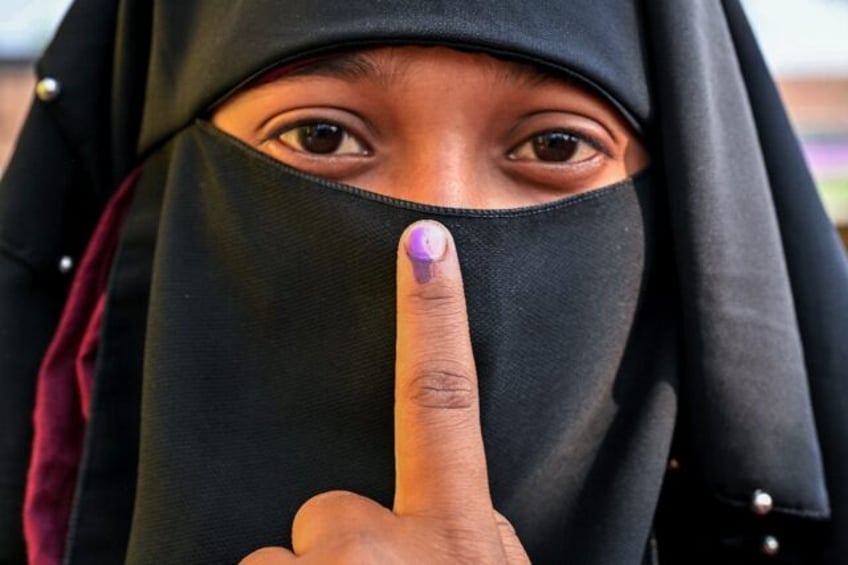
484, 141
411, 134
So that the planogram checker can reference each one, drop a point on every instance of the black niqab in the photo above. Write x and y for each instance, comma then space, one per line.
756, 291
270, 355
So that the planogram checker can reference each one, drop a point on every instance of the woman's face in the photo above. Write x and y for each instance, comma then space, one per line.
437, 126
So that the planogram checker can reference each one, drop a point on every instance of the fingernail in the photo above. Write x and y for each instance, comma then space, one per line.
426, 244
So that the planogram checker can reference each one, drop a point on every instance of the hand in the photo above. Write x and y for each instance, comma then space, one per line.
442, 511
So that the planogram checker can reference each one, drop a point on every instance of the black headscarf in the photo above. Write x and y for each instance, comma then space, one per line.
235, 378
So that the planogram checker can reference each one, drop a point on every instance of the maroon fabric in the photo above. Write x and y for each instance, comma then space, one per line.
63, 396
87, 355
277, 72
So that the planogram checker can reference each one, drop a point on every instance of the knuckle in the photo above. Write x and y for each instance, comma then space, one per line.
326, 503
503, 523
515, 552
337, 518
445, 386
329, 498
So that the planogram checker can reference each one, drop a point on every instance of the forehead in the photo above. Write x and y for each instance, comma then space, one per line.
405, 77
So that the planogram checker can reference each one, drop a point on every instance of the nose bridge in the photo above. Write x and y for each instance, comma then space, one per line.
444, 171
443, 139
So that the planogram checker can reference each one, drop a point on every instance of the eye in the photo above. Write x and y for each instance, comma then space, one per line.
556, 146
321, 138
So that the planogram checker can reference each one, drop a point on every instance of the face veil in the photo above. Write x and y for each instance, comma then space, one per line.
717, 299
271, 332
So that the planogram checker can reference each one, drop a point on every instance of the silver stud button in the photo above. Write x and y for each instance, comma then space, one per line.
770, 546
48, 89
761, 502
66, 263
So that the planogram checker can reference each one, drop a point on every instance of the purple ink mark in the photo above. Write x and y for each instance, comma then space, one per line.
423, 271
426, 244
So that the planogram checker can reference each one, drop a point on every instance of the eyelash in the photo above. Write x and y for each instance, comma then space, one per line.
301, 128
570, 136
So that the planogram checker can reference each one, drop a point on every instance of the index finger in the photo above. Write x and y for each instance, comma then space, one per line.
440, 461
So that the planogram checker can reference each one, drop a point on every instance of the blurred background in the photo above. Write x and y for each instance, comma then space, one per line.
805, 43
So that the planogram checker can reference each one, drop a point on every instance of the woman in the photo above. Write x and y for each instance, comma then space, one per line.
244, 326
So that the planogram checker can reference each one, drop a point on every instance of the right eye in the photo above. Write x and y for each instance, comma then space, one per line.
557, 146
321, 138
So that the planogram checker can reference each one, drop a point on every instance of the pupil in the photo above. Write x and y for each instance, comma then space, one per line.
555, 146
320, 138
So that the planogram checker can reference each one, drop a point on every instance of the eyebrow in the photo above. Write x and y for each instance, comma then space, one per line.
357, 66
347, 66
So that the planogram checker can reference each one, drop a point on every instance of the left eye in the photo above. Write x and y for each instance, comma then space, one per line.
322, 138
554, 146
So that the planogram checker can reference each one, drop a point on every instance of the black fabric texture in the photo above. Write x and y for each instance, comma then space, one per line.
47, 211
734, 251
31, 296
105, 496
744, 354
730, 535
269, 363
817, 267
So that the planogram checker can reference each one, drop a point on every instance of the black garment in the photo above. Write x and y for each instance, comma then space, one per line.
270, 356
763, 286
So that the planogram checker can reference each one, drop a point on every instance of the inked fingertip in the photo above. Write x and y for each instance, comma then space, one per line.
427, 242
